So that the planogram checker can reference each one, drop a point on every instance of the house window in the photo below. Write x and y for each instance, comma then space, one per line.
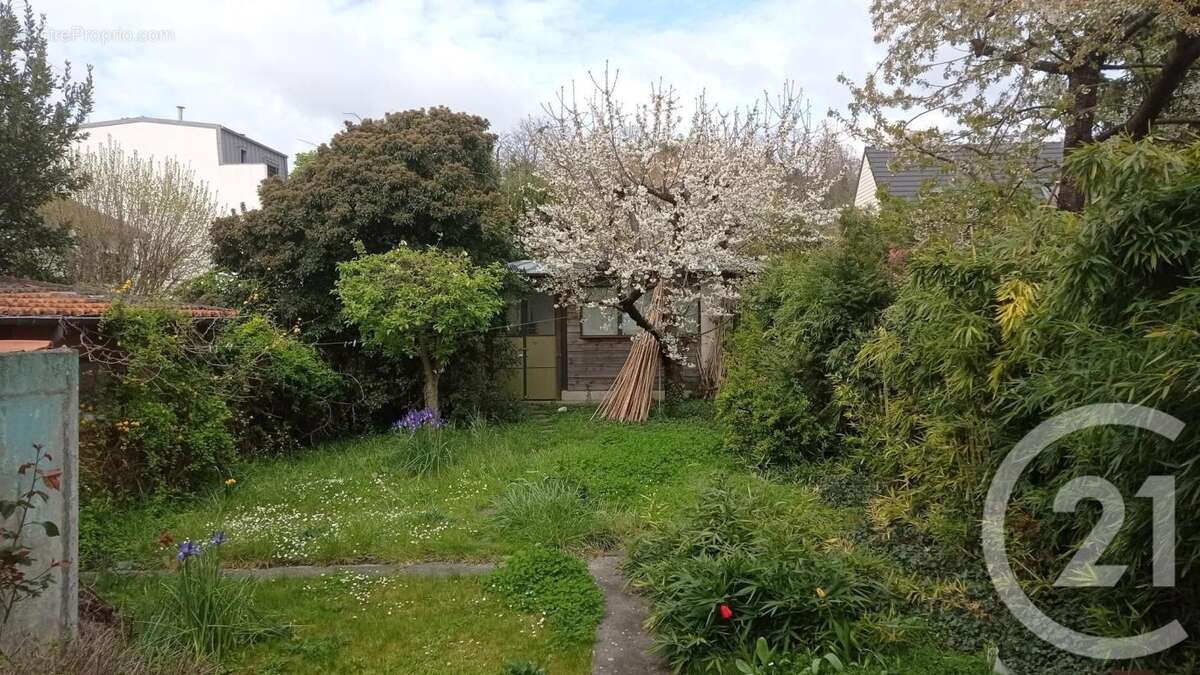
243, 155
272, 170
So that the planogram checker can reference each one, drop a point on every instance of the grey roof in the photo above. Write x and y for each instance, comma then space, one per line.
906, 181
531, 268
181, 123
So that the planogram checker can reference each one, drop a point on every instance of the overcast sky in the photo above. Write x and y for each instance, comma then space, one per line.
287, 72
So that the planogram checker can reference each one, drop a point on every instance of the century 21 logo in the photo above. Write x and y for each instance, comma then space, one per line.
1083, 571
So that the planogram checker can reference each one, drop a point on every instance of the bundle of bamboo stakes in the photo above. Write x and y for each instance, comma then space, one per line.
632, 392
712, 368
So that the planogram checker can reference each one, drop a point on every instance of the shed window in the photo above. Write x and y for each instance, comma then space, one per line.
610, 321
272, 170
242, 155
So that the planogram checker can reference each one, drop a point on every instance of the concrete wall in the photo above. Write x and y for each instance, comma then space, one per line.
39, 404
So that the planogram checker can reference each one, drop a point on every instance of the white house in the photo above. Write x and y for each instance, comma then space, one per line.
231, 163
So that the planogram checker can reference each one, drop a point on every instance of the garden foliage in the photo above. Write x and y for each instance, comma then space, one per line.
1000, 313
422, 304
556, 585
547, 511
745, 564
175, 403
414, 178
798, 332
204, 613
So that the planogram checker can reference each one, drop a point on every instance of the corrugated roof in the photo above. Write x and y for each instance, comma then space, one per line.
906, 180
25, 298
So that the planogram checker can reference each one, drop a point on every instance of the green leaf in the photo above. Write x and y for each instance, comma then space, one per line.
50, 528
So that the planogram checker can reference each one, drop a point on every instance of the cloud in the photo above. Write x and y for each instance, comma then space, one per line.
283, 71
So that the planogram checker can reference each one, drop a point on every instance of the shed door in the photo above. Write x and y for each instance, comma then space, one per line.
536, 341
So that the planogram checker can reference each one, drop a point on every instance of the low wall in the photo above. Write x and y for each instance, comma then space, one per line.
39, 403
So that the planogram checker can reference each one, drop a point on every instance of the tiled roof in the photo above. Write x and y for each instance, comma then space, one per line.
13, 346
24, 298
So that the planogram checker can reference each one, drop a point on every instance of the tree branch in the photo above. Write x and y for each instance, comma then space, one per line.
628, 304
980, 47
1180, 59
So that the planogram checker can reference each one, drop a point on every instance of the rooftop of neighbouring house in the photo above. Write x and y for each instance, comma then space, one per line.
906, 179
27, 299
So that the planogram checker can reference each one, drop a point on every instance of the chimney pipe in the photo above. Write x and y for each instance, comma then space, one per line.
180, 109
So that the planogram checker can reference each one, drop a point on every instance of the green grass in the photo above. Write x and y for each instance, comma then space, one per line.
353, 501
350, 623
554, 480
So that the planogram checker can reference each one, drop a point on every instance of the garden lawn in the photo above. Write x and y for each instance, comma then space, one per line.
556, 479
354, 501
352, 623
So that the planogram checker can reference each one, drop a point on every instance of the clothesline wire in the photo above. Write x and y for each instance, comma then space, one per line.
506, 327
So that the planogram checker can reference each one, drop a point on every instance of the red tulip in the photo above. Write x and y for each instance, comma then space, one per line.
726, 611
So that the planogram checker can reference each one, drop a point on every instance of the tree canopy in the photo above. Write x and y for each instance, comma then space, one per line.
40, 117
634, 199
1005, 76
421, 304
419, 177
138, 219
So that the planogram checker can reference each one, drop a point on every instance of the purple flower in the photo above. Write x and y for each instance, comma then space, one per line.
188, 549
217, 538
416, 419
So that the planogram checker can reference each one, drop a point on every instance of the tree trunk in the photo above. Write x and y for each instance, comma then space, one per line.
1083, 83
430, 368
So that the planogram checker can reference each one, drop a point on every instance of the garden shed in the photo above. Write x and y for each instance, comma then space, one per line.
571, 353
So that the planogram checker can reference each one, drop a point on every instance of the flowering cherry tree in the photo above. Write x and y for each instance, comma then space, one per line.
636, 198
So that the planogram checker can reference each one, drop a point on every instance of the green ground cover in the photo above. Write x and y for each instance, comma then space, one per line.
556, 480
352, 623
353, 501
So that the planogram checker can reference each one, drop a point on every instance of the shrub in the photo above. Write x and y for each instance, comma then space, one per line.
471, 393
281, 390
800, 326
745, 564
158, 420
204, 613
556, 585
546, 511
422, 304
176, 402
1026, 313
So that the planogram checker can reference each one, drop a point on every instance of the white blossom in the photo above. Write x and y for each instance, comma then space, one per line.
634, 199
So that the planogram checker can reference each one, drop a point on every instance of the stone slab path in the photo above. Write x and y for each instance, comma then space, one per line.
622, 645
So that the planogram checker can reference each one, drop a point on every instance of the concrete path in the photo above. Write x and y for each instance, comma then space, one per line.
622, 645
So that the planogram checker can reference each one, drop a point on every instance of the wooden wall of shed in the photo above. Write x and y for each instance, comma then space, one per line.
593, 362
